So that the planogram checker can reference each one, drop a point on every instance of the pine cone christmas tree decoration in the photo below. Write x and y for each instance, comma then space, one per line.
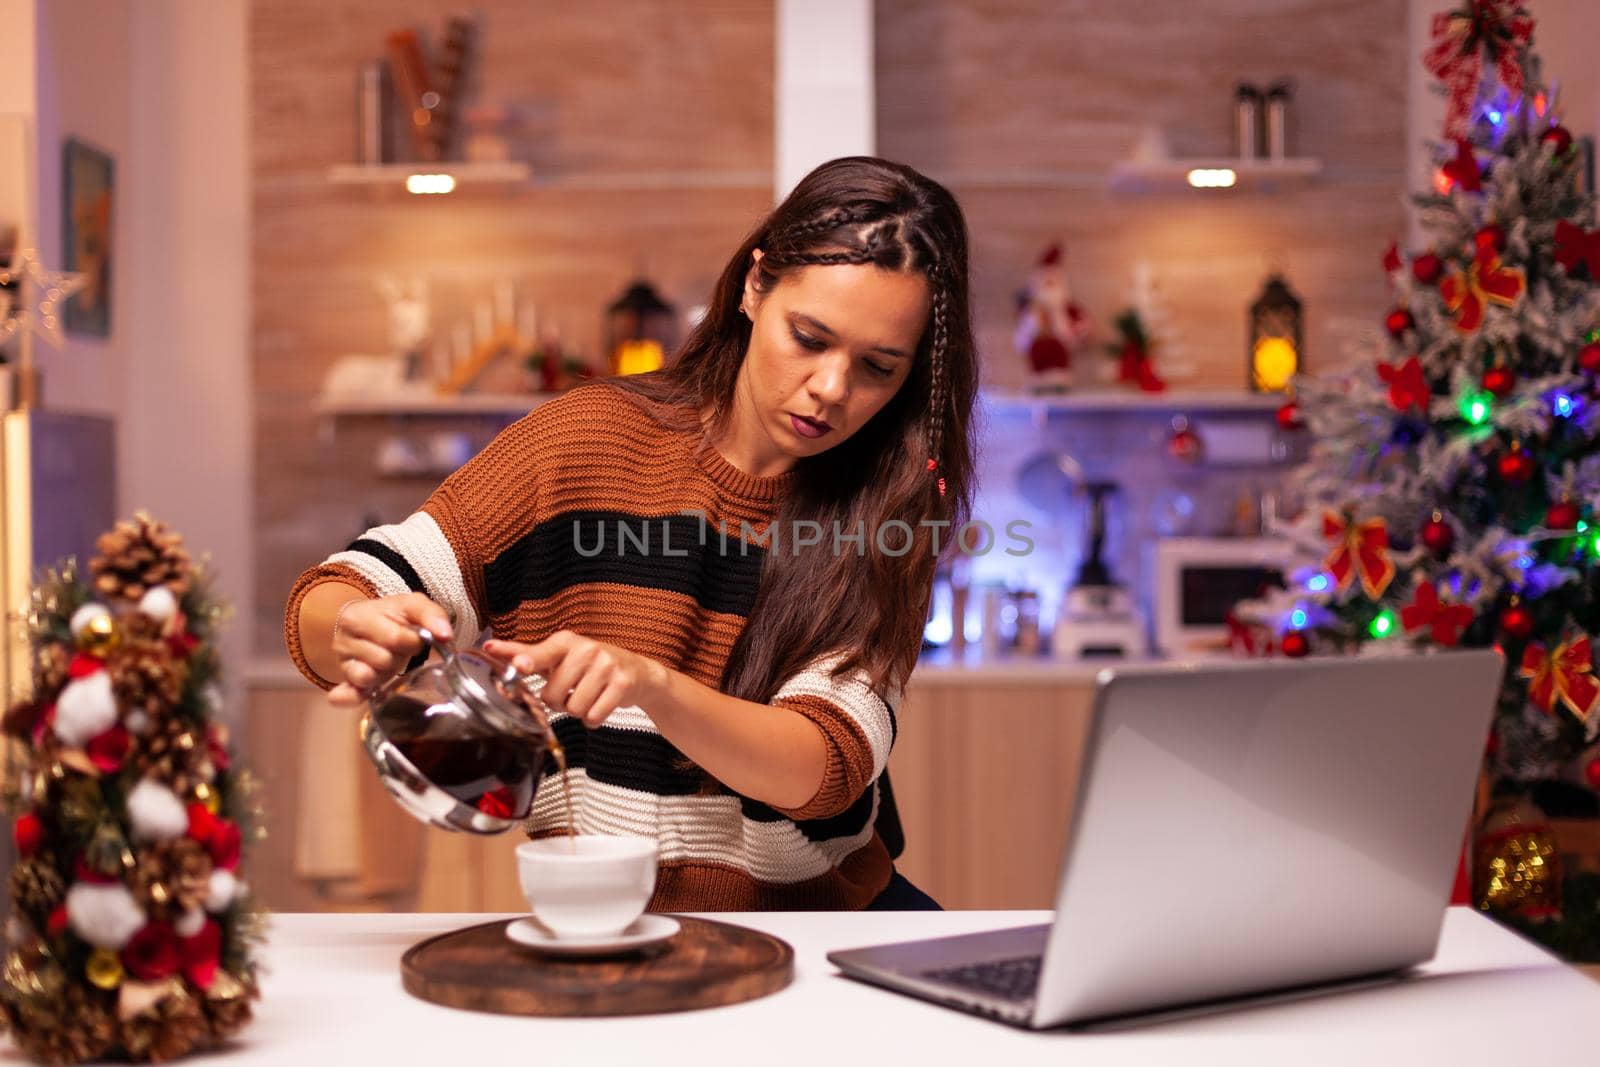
173, 1027
171, 877
171, 753
146, 675
71, 1028
228, 1004
51, 665
37, 888
138, 555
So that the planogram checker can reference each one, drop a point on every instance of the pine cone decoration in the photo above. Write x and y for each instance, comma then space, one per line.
37, 888
174, 1027
71, 1028
171, 753
138, 555
171, 877
229, 1013
51, 663
146, 675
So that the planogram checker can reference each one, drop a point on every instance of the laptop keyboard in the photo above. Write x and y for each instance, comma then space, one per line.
1015, 979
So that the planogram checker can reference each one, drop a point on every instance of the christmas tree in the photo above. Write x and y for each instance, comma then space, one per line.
131, 931
1453, 489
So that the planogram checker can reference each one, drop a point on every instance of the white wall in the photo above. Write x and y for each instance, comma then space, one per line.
826, 104
161, 85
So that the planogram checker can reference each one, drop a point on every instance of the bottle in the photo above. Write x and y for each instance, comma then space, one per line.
1246, 120
1277, 105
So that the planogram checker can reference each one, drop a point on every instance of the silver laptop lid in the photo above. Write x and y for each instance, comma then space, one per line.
1244, 826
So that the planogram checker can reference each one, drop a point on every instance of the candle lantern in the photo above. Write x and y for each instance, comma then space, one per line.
1274, 356
640, 329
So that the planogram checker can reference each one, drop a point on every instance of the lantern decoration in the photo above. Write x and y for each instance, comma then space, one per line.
1275, 338
640, 329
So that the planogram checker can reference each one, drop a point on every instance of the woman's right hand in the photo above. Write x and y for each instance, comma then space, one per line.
375, 638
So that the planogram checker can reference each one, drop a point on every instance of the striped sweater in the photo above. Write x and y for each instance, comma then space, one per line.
592, 515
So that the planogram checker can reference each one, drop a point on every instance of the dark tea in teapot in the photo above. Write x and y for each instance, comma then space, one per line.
496, 775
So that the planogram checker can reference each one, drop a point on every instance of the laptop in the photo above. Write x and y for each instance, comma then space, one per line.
1240, 828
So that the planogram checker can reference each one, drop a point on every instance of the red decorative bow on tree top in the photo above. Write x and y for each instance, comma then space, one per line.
1408, 386
1565, 674
1445, 619
1577, 247
1486, 280
1359, 549
1501, 28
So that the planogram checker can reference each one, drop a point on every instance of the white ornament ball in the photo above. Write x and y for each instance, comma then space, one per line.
155, 813
85, 615
221, 890
190, 923
159, 604
106, 916
137, 722
86, 708
211, 700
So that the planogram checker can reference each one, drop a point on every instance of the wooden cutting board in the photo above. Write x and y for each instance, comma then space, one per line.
705, 965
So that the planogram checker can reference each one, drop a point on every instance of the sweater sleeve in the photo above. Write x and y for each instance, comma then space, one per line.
439, 550
857, 725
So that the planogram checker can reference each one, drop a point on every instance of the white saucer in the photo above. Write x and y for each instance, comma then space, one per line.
646, 930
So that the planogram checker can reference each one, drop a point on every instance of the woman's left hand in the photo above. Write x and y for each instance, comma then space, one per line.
585, 678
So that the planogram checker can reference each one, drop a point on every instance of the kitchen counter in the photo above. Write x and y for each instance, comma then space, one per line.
332, 994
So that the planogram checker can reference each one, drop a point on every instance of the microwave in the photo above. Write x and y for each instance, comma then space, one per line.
1198, 580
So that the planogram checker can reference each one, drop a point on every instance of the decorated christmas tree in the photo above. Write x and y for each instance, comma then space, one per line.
1454, 484
131, 929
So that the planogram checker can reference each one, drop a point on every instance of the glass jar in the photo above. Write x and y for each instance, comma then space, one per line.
461, 741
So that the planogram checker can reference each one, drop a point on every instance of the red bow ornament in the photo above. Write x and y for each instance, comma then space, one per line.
1502, 28
1359, 550
1566, 674
1463, 169
1577, 247
1408, 386
1486, 281
1445, 620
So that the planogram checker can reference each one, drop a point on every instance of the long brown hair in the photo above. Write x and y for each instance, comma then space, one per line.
869, 606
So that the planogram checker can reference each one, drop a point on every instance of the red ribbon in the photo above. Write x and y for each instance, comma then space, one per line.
1360, 549
1501, 28
1463, 169
1408, 386
1445, 620
1486, 281
1565, 674
1576, 246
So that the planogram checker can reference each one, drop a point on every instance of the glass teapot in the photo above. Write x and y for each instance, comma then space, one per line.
462, 741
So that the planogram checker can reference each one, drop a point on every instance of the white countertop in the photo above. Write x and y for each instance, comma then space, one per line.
332, 995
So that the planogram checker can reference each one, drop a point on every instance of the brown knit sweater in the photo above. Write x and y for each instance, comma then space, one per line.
586, 515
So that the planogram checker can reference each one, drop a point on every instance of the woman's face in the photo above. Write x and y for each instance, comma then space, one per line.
829, 347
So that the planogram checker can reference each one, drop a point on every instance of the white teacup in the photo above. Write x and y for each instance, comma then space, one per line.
591, 885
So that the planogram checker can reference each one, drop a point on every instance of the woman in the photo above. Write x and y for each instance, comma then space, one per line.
722, 568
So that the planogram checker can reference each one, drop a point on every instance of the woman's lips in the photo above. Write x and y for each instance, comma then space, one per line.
808, 428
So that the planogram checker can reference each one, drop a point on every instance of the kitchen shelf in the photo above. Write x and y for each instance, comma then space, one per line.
1172, 175
429, 403
466, 175
1099, 400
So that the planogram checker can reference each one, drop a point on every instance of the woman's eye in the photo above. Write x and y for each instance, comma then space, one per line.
879, 369
806, 341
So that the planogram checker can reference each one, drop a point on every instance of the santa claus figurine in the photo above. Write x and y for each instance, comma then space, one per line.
1049, 325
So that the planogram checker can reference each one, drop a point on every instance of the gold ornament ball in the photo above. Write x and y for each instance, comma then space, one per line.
1517, 869
104, 969
208, 796
99, 636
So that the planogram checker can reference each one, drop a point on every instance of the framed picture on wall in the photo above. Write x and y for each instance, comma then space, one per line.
86, 180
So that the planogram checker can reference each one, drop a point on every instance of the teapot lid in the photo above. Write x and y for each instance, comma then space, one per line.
492, 687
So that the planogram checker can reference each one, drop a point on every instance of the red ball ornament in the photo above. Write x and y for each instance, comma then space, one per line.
1427, 268
1563, 515
1516, 466
1516, 622
1558, 136
1491, 240
1289, 417
1398, 322
29, 834
153, 953
1295, 644
1183, 444
58, 922
1438, 535
1591, 771
1499, 381
1589, 358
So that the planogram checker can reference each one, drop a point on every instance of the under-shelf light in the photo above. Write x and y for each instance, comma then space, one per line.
1213, 177
430, 183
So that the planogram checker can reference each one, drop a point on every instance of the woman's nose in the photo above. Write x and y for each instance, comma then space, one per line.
830, 381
